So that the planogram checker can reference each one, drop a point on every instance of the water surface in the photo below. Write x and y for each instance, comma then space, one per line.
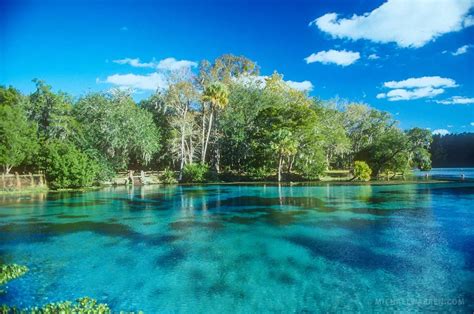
246, 248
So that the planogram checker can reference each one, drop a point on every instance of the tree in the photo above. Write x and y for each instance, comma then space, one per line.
67, 167
52, 112
18, 139
179, 99
123, 133
362, 171
217, 96
419, 148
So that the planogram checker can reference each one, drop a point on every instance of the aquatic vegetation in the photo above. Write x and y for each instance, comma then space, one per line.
10, 272
81, 306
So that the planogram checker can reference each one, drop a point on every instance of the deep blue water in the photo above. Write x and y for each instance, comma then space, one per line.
246, 248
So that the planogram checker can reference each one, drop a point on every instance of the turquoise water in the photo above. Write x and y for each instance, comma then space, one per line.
246, 248
447, 173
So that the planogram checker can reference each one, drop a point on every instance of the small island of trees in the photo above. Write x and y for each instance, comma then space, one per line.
222, 123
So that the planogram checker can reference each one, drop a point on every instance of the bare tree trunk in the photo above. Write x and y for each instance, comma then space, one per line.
280, 163
207, 137
181, 166
203, 155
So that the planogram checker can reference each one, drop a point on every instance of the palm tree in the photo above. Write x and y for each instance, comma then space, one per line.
217, 96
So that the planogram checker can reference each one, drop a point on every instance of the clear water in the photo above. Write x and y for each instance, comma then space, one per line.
447, 173
246, 248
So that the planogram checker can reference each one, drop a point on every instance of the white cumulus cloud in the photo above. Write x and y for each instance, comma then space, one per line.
261, 80
373, 57
456, 100
441, 132
168, 64
171, 64
135, 62
150, 82
301, 86
416, 88
461, 50
339, 57
408, 23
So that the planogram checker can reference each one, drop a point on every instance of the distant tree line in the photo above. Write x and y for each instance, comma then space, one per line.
221, 122
453, 150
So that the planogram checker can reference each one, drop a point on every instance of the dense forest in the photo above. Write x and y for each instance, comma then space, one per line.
219, 123
453, 150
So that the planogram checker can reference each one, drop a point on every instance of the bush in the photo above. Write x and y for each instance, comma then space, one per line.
195, 173
362, 171
67, 167
168, 177
260, 173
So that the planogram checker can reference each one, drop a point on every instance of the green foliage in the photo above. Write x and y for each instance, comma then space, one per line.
196, 173
259, 173
362, 171
67, 167
121, 131
18, 140
224, 117
52, 112
168, 177
83, 305
10, 272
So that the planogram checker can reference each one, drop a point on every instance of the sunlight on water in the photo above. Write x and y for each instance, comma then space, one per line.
246, 248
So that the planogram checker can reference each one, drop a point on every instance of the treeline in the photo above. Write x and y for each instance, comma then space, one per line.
221, 122
453, 150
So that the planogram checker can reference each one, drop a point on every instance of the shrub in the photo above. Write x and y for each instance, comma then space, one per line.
67, 167
168, 177
362, 171
260, 173
195, 173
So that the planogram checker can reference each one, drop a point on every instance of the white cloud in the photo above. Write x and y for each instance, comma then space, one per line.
151, 81
260, 81
411, 23
441, 132
472, 123
136, 63
449, 126
425, 81
461, 50
339, 57
416, 88
373, 57
456, 100
168, 64
301, 86
171, 64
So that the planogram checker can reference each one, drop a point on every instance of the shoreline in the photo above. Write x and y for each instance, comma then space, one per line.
243, 183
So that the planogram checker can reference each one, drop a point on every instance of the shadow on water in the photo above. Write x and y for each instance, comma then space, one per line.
350, 254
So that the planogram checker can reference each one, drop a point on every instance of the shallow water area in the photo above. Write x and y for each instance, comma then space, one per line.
246, 248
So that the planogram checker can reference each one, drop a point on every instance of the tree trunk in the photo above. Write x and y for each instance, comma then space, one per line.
207, 137
280, 163
181, 166
203, 136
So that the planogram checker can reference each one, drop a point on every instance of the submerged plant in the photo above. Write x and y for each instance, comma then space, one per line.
81, 306
10, 272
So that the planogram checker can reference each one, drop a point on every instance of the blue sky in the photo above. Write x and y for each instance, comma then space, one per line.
411, 58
